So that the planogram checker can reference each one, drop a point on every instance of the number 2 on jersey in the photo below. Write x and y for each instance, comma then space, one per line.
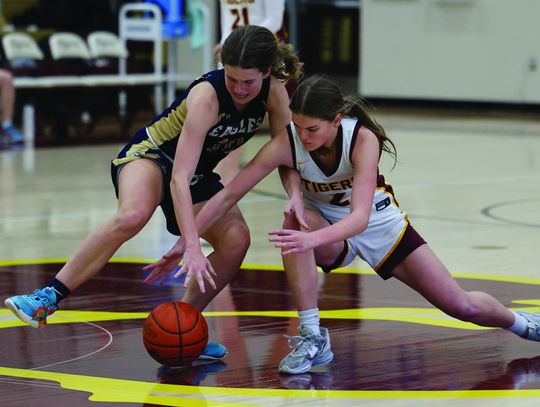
241, 17
338, 200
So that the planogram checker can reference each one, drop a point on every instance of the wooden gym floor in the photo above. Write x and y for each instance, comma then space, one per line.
470, 183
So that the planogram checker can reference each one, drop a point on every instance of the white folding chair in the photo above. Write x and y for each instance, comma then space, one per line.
105, 44
21, 46
65, 45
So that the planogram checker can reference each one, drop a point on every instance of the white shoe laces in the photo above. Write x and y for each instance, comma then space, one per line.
304, 345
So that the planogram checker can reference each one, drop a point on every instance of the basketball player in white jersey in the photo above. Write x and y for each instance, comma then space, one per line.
340, 209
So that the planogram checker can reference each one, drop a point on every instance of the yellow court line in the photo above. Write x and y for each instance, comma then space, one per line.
418, 316
267, 267
111, 390
122, 390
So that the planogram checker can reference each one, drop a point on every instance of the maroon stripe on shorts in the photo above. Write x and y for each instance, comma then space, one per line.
339, 260
410, 241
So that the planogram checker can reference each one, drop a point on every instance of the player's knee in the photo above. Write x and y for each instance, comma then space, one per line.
290, 221
236, 241
130, 222
241, 238
466, 311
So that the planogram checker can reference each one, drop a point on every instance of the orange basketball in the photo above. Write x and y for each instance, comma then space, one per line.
175, 333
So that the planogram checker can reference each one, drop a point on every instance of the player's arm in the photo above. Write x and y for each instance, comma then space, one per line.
365, 157
279, 117
277, 152
365, 160
277, 106
203, 109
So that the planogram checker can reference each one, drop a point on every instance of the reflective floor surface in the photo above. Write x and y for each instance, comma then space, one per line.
471, 187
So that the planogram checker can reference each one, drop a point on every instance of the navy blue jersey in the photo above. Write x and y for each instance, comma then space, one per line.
233, 129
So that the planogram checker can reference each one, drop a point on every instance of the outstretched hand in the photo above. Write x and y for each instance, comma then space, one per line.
291, 241
197, 265
164, 266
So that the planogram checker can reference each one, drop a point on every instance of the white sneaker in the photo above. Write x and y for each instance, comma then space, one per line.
533, 325
310, 350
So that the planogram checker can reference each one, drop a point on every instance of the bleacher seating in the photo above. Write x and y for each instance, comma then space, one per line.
69, 54
22, 54
104, 44
106, 49
66, 60
68, 45
19, 45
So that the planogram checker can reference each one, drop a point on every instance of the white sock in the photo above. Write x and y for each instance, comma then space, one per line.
309, 319
520, 325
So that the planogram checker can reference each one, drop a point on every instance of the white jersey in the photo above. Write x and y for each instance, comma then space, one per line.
237, 13
330, 193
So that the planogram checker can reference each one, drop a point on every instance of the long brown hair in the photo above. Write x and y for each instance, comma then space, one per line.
318, 96
252, 46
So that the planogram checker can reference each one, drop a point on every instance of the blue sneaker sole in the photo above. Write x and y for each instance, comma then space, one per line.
13, 307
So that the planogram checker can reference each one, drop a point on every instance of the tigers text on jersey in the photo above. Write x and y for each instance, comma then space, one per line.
330, 192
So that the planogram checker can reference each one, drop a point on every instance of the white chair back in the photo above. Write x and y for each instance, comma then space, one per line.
21, 46
104, 44
68, 45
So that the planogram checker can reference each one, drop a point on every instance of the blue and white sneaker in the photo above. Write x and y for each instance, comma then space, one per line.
310, 350
12, 135
533, 325
33, 309
213, 351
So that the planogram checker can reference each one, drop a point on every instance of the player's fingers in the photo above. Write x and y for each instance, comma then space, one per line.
280, 239
210, 280
290, 251
150, 278
200, 281
151, 266
302, 222
277, 238
211, 269
187, 280
281, 232
163, 278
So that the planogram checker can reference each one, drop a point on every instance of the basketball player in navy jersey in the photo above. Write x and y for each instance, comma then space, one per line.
170, 163
343, 208
238, 13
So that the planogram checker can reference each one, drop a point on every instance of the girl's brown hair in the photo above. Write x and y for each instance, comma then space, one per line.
318, 96
252, 46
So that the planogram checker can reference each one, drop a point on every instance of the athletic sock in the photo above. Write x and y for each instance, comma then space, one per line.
309, 319
520, 325
60, 289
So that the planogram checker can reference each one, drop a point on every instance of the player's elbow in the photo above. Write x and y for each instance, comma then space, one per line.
360, 221
178, 182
